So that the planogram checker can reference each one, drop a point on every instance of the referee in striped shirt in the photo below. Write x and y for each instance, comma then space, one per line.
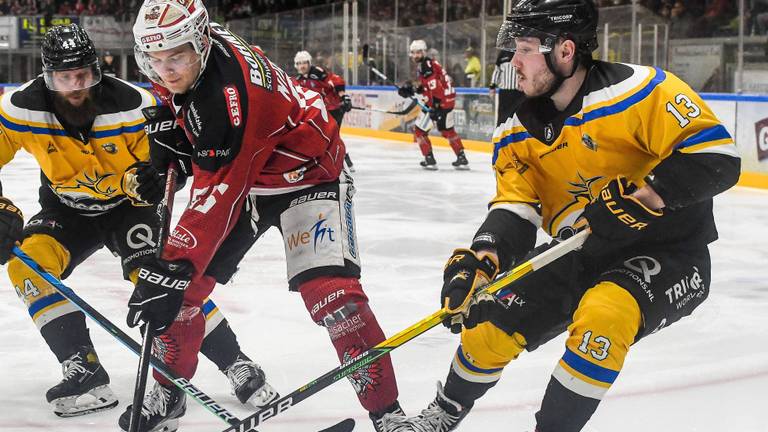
503, 84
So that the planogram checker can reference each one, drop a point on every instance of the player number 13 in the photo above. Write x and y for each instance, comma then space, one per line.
693, 110
602, 352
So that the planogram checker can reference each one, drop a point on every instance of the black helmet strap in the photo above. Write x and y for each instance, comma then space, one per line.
559, 77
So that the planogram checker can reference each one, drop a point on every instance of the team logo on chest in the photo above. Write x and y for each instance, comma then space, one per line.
110, 148
549, 132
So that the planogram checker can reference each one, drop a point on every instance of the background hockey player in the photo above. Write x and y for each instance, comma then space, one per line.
440, 99
86, 132
331, 86
632, 151
265, 154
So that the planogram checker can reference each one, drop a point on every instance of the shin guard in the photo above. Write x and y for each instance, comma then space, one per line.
179, 346
453, 139
339, 305
422, 139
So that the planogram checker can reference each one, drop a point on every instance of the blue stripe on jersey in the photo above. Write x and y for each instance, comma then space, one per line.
622, 105
592, 115
712, 134
118, 131
589, 369
473, 368
507, 140
34, 129
208, 306
44, 302
17, 127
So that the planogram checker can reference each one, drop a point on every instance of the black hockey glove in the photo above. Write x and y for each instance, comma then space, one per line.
11, 226
159, 294
406, 90
464, 272
346, 104
142, 184
616, 219
167, 141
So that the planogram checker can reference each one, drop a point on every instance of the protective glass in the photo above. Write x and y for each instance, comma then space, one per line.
518, 38
152, 66
73, 79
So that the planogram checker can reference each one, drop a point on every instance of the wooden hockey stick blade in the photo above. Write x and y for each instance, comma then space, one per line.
281, 405
346, 425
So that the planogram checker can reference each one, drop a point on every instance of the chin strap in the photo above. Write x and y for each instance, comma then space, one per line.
559, 78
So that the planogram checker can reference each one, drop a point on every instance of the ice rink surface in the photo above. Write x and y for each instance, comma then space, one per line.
707, 373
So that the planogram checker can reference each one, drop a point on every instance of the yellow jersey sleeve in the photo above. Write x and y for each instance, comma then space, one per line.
678, 119
8, 146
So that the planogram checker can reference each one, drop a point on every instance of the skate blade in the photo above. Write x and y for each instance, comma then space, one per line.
97, 399
430, 167
263, 397
462, 168
172, 425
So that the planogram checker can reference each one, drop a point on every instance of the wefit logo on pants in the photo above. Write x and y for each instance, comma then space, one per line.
317, 234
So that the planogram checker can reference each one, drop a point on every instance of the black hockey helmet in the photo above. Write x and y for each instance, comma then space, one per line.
549, 20
68, 47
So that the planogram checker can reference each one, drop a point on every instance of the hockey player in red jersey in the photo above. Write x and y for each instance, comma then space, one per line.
441, 97
328, 84
265, 153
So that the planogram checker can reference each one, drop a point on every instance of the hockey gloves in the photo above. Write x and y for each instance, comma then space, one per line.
346, 104
464, 272
406, 90
142, 184
159, 294
616, 218
167, 141
11, 226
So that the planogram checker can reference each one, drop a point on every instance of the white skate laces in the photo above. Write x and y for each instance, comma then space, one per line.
434, 418
240, 375
156, 402
72, 366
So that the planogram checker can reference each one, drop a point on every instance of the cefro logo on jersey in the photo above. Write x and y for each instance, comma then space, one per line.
318, 234
761, 133
259, 73
233, 105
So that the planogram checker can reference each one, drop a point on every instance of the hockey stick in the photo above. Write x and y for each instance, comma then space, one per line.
403, 111
184, 384
370, 64
164, 211
279, 406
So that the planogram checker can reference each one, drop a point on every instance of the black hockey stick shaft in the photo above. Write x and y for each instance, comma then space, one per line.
369, 63
279, 406
141, 379
164, 211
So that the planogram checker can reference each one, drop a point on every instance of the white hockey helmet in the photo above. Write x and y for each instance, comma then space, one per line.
418, 45
302, 57
167, 24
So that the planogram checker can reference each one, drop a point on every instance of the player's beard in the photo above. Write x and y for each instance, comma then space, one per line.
538, 83
75, 115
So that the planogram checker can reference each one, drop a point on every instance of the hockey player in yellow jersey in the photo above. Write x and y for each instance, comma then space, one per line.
86, 132
630, 150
